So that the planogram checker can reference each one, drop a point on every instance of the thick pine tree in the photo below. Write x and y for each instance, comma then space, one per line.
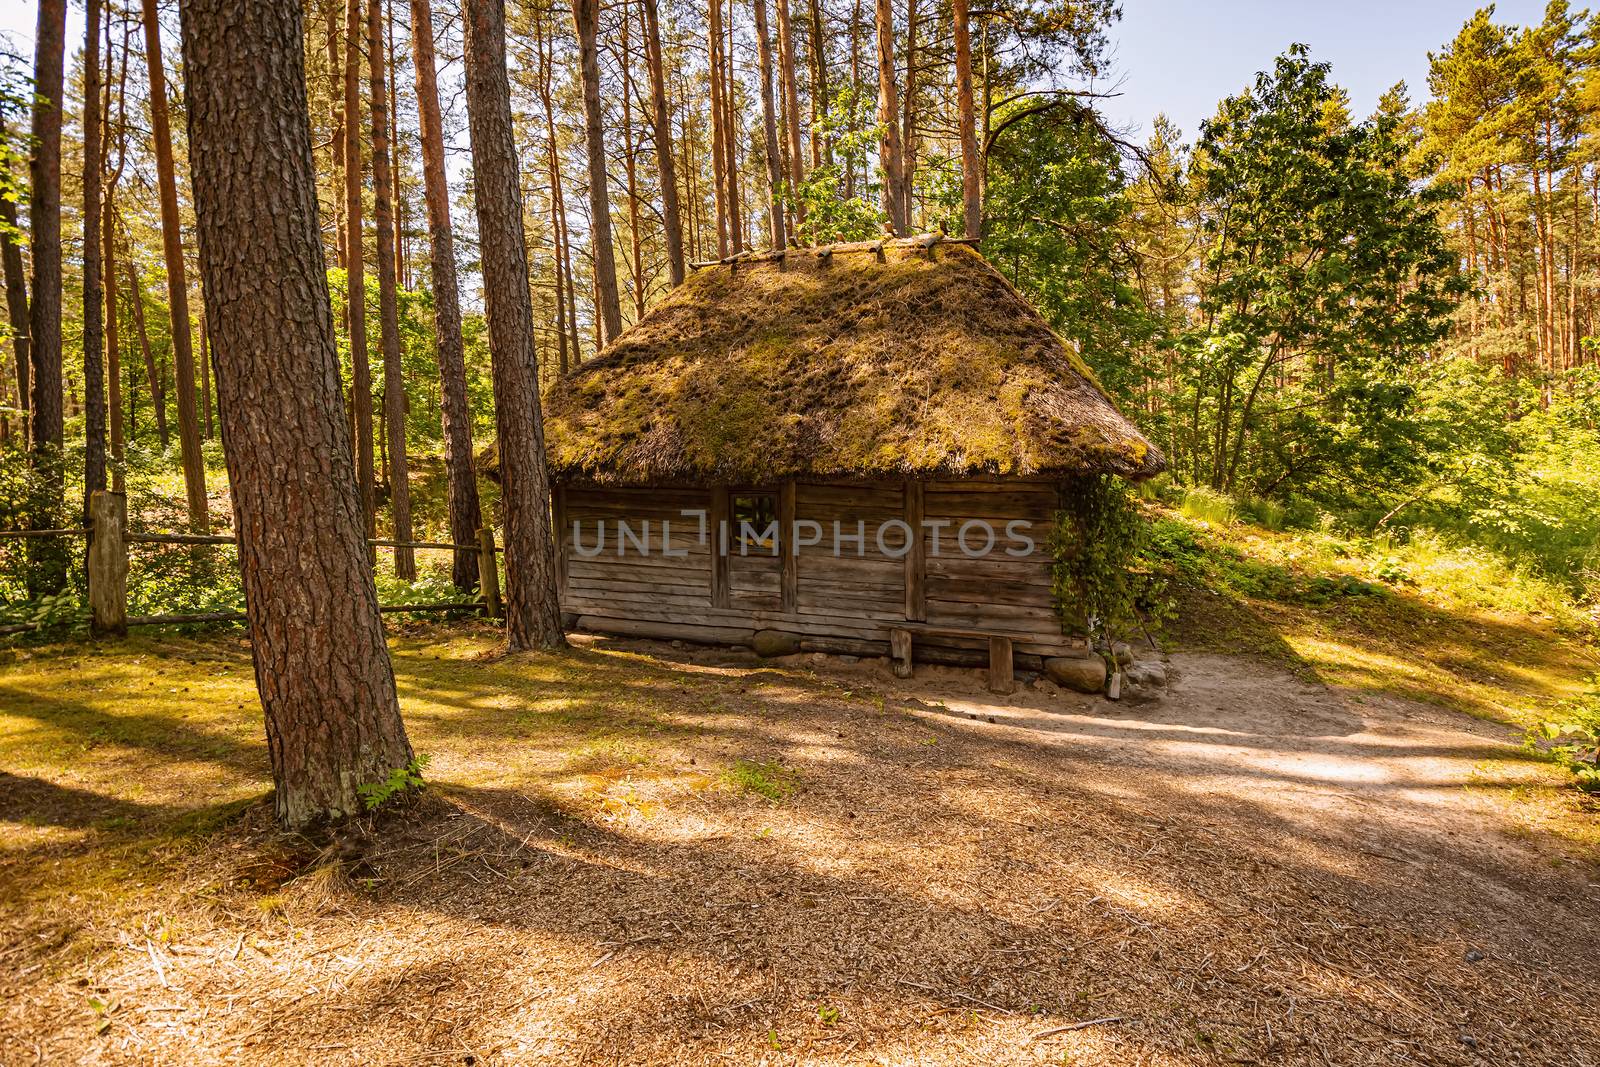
533, 613
455, 416
322, 667
394, 386
48, 571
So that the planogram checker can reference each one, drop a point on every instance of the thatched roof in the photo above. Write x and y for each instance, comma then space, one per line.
903, 364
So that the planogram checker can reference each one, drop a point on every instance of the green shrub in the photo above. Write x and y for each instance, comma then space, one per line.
1101, 579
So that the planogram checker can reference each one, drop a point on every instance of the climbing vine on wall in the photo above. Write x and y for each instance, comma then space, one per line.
1101, 584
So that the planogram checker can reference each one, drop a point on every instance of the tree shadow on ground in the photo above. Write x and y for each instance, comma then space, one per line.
949, 887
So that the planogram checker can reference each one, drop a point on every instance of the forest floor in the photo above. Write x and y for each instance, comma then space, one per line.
1326, 844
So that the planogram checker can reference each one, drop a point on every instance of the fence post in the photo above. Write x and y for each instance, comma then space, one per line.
488, 573
108, 562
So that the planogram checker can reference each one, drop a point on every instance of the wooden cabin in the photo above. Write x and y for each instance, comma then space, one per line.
804, 452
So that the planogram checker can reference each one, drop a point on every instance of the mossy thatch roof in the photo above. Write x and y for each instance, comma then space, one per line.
861, 365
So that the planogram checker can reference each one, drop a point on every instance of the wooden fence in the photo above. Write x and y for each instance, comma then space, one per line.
107, 566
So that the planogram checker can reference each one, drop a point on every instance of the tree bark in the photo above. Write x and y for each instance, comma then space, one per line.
730, 133
631, 166
908, 129
455, 416
585, 19
769, 121
791, 106
672, 221
94, 388
337, 136
546, 44
396, 164
356, 271
109, 261
889, 119
394, 386
47, 573
16, 303
719, 139
194, 470
322, 667
533, 612
971, 175
821, 146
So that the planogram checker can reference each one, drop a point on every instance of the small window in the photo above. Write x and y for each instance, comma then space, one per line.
755, 523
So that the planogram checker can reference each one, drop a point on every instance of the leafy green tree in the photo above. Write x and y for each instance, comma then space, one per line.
1325, 276
1055, 222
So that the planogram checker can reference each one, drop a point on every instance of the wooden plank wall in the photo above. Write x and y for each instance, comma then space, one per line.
839, 604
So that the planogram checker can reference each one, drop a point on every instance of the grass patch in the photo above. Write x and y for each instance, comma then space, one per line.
767, 779
1417, 618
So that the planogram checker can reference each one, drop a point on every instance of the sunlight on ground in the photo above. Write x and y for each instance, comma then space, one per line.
699, 851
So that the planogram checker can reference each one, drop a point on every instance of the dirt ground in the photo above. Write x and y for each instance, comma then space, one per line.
638, 854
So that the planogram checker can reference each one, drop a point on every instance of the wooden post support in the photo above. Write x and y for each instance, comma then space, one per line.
900, 652
721, 513
108, 562
916, 562
1000, 665
488, 573
789, 586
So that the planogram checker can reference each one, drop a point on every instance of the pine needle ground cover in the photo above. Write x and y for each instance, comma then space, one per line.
632, 853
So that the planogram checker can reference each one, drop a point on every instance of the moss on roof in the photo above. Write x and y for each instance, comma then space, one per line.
854, 365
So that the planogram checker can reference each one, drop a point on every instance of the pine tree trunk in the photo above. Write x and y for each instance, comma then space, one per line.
630, 167
719, 140
396, 164
566, 267
791, 105
109, 264
533, 613
16, 303
545, 39
394, 387
356, 271
337, 137
94, 389
455, 416
585, 17
889, 119
47, 572
113, 345
855, 84
731, 143
322, 666
821, 146
672, 221
971, 162
769, 121
194, 470
908, 129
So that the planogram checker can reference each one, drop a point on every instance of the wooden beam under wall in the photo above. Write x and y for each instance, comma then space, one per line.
718, 532
790, 561
916, 561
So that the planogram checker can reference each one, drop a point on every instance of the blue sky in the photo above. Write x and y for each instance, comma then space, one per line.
1182, 56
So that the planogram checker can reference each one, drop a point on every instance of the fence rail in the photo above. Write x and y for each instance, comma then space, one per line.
76, 531
108, 569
